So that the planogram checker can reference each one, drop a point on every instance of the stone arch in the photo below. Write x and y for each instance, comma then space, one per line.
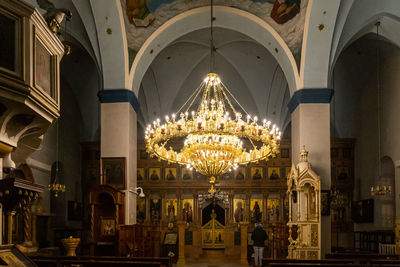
226, 17
390, 25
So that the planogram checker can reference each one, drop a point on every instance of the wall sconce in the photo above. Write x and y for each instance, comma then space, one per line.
138, 191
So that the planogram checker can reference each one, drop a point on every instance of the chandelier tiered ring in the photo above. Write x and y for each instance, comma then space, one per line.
215, 135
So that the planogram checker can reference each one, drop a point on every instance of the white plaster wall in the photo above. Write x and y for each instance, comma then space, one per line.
70, 130
356, 116
84, 81
311, 128
118, 139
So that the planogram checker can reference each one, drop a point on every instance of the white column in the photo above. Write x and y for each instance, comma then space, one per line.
1, 206
311, 128
119, 139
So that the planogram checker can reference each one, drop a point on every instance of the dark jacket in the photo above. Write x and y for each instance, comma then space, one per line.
259, 236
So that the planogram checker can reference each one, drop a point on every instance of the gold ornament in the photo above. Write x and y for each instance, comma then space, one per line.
213, 140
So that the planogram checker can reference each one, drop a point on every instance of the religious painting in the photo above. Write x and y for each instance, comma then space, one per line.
342, 173
7, 258
273, 173
170, 238
43, 68
240, 173
140, 174
257, 173
226, 176
284, 153
155, 209
154, 174
107, 226
187, 210
143, 154
256, 207
170, 174
141, 209
74, 211
273, 210
325, 203
171, 209
187, 174
198, 175
113, 172
7, 42
363, 211
238, 205
285, 10
138, 13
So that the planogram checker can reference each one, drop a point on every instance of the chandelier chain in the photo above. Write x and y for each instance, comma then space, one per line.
194, 98
234, 98
379, 96
212, 37
184, 104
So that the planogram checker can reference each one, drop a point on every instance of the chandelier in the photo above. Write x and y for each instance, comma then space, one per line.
56, 187
214, 135
213, 194
381, 190
213, 140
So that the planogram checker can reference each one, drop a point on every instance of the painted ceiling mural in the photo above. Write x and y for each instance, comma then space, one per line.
143, 17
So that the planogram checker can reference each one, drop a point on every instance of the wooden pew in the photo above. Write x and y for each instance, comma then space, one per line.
281, 264
361, 256
159, 261
288, 262
367, 259
331, 262
88, 263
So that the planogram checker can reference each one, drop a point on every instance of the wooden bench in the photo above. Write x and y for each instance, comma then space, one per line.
361, 256
331, 262
273, 262
122, 261
309, 264
93, 263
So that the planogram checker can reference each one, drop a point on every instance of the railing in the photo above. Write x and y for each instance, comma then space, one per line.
388, 249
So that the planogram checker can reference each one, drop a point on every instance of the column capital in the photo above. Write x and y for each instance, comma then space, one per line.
310, 96
119, 96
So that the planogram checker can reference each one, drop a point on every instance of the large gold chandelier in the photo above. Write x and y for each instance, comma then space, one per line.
214, 142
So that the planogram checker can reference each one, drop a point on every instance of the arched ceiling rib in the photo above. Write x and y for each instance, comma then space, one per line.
246, 68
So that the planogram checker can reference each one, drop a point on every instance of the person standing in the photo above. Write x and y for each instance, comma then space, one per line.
258, 236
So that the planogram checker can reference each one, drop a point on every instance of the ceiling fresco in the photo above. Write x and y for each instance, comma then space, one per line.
143, 17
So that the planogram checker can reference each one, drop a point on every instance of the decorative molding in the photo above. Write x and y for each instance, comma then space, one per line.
38, 165
310, 96
118, 96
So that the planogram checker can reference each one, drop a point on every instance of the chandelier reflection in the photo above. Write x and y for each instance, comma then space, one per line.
215, 135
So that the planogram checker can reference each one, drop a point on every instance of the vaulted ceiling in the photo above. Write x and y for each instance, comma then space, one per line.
100, 28
248, 70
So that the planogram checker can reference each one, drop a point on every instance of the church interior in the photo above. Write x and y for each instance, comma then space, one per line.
163, 132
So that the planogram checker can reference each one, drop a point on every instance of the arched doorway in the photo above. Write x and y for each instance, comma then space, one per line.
213, 226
